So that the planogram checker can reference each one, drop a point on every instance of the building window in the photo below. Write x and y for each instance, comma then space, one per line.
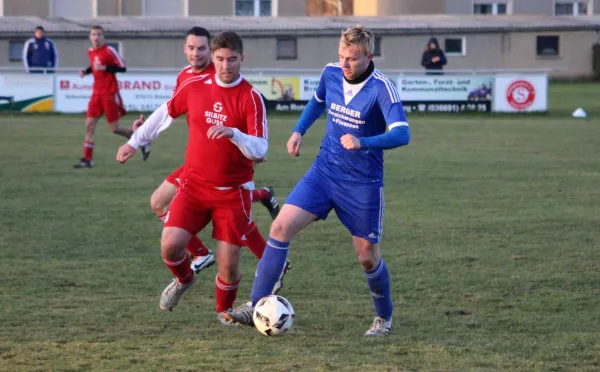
253, 8
490, 8
377, 49
547, 46
287, 48
15, 50
455, 46
571, 8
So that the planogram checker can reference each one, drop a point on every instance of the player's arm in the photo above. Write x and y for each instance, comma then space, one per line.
85, 71
254, 144
398, 134
115, 69
160, 120
313, 110
315, 107
156, 123
117, 64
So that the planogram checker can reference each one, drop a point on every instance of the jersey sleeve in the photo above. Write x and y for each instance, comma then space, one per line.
177, 105
256, 115
320, 93
116, 58
389, 102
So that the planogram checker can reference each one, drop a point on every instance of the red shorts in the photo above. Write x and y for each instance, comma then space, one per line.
173, 178
194, 206
109, 104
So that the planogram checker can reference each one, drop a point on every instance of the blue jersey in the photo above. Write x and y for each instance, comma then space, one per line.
362, 110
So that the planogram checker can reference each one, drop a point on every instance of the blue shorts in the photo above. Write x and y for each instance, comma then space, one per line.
360, 207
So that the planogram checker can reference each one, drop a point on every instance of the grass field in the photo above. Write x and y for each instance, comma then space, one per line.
491, 236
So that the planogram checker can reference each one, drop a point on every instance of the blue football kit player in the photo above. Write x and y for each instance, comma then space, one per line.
347, 175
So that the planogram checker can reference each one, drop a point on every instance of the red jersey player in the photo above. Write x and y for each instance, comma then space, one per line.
227, 132
197, 51
105, 62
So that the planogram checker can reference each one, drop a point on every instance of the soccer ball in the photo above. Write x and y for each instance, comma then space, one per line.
273, 315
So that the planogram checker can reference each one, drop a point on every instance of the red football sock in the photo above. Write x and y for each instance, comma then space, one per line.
181, 269
260, 195
163, 217
88, 150
196, 247
255, 241
225, 294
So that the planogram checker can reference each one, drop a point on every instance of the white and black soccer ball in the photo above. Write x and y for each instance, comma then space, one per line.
273, 315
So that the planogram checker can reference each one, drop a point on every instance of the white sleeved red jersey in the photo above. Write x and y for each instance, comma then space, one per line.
105, 82
208, 101
188, 73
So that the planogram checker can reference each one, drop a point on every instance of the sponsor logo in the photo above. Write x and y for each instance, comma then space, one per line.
520, 94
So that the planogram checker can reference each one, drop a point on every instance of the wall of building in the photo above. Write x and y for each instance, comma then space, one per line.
545, 7
26, 7
291, 8
413, 7
483, 51
211, 7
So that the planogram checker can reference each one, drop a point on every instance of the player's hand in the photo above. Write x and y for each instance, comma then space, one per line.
435, 59
98, 66
294, 144
219, 131
125, 153
350, 142
138, 122
81, 73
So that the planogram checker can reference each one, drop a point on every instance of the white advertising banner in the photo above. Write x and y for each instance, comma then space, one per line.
308, 86
26, 92
520, 93
445, 88
139, 92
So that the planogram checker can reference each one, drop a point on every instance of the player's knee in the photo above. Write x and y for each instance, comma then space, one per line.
172, 246
367, 257
171, 249
158, 205
90, 125
367, 261
280, 230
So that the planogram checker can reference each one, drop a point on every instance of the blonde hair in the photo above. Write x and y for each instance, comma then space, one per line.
360, 37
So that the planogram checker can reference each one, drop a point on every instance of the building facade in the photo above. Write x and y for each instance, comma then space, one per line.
285, 8
563, 45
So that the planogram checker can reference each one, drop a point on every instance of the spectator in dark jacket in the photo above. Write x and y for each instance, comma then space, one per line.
39, 53
433, 58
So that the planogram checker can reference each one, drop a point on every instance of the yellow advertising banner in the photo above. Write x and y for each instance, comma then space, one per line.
277, 88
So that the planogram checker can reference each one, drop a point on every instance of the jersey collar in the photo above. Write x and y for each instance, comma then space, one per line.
230, 85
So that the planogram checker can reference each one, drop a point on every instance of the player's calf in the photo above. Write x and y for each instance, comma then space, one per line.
118, 130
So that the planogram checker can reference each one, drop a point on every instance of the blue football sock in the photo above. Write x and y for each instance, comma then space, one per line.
269, 268
379, 284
